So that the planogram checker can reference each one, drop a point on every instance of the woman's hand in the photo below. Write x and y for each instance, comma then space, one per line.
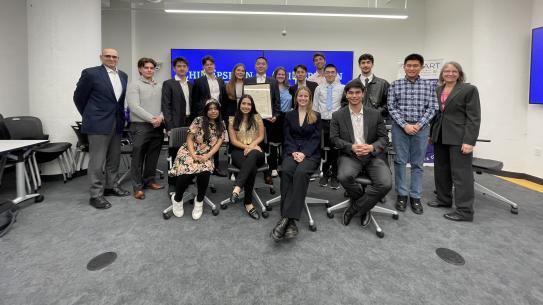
466, 149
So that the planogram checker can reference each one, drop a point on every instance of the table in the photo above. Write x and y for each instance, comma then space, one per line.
18, 150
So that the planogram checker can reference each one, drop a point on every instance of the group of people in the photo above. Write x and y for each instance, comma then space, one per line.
317, 112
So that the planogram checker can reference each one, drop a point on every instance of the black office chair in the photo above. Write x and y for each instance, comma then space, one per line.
178, 137
364, 181
82, 147
31, 128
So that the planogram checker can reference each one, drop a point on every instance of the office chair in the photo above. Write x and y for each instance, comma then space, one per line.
178, 137
81, 148
232, 169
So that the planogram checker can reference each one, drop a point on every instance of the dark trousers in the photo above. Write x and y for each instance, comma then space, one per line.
294, 182
182, 182
376, 169
452, 167
329, 168
274, 132
145, 153
104, 156
247, 173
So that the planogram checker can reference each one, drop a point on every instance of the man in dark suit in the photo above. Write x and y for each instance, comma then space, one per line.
360, 135
454, 131
270, 124
206, 87
176, 103
99, 98
301, 74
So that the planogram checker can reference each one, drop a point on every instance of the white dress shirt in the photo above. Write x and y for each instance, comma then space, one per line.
185, 87
214, 89
115, 82
363, 79
260, 79
321, 98
357, 120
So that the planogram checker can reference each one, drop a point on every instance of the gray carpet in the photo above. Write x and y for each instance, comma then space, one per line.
230, 259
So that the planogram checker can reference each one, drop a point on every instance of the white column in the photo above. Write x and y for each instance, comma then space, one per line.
64, 36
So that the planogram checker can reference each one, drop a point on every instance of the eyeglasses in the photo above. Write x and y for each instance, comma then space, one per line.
413, 66
111, 56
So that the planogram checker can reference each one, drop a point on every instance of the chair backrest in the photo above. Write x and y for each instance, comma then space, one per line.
4, 132
25, 128
178, 137
82, 139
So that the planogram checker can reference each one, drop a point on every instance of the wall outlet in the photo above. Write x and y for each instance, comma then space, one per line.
537, 152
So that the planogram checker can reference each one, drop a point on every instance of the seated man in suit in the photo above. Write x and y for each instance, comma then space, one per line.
361, 137
176, 104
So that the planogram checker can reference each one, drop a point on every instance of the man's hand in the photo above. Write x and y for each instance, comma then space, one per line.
466, 149
411, 129
272, 119
298, 156
156, 121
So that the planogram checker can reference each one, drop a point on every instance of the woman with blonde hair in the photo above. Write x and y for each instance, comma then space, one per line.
301, 157
234, 90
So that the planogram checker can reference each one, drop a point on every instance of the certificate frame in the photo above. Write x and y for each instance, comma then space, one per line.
261, 94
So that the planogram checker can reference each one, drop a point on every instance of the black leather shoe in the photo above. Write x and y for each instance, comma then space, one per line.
348, 214
365, 219
292, 229
253, 213
116, 191
100, 203
401, 203
234, 197
438, 204
278, 231
416, 206
219, 172
454, 216
268, 180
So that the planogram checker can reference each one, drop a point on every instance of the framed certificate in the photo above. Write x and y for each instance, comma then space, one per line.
261, 94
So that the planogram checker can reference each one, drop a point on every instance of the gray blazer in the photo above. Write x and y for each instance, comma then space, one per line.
342, 133
460, 120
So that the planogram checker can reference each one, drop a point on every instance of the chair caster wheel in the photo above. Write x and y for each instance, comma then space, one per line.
313, 228
514, 210
272, 191
268, 208
265, 214
395, 216
223, 206
213, 189
166, 216
330, 215
39, 198
215, 212
380, 234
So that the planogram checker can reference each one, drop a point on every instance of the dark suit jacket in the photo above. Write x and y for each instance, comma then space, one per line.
305, 138
95, 100
201, 93
173, 104
311, 85
275, 95
459, 122
342, 133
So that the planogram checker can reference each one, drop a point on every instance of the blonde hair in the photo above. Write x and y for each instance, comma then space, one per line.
457, 66
311, 114
231, 85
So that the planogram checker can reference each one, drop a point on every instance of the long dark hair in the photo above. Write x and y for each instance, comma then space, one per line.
238, 117
205, 119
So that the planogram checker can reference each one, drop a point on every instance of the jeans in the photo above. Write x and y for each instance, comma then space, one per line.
409, 149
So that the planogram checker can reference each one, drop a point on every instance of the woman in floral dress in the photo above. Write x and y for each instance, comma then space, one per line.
194, 158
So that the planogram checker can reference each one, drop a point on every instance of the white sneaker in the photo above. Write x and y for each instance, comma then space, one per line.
177, 207
198, 209
274, 173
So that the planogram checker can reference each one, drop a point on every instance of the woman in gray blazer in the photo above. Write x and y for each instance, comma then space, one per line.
454, 132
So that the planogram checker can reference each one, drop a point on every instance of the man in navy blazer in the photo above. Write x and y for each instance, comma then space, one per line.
359, 133
99, 98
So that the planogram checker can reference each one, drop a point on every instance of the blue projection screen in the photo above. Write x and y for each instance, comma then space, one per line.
225, 60
536, 71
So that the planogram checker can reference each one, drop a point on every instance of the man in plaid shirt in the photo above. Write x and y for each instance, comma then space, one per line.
412, 103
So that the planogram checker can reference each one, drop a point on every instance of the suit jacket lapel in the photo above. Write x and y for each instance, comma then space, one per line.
456, 89
365, 123
347, 113
105, 77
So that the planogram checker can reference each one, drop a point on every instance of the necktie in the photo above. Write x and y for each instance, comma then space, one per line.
366, 82
329, 99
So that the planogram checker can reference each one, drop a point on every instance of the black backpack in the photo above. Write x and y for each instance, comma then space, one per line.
8, 214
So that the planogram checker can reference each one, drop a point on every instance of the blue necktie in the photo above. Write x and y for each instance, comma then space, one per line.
329, 99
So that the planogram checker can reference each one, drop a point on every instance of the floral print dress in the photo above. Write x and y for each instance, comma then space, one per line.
184, 163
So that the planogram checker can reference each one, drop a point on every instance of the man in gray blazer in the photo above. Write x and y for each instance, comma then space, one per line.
99, 98
360, 135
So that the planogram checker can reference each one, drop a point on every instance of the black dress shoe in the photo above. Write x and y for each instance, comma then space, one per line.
219, 172
116, 191
253, 213
348, 214
292, 229
365, 219
278, 231
401, 203
454, 216
416, 206
438, 204
234, 197
100, 203
268, 180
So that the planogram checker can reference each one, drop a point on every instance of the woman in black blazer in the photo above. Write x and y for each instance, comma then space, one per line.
454, 132
301, 157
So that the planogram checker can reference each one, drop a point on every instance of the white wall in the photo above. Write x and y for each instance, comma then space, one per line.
117, 33
13, 48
